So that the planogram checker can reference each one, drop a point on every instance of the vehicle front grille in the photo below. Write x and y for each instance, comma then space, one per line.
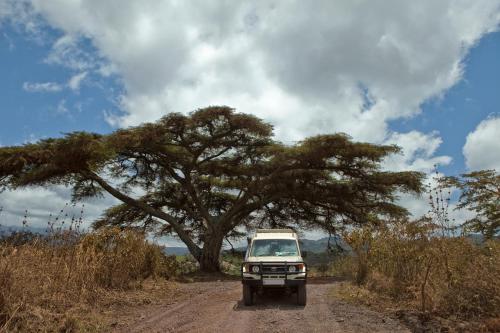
274, 268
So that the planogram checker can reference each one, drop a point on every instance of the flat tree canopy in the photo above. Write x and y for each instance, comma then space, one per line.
205, 175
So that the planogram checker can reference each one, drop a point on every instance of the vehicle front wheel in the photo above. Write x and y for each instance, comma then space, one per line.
301, 295
247, 295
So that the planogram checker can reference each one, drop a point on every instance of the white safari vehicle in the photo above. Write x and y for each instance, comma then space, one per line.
273, 260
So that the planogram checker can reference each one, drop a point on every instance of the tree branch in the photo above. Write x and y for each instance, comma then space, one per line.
146, 208
188, 185
186, 182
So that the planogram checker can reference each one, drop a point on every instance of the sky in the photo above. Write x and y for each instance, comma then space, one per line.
424, 75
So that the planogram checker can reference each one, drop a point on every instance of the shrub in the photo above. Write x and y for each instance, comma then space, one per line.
44, 276
116, 258
344, 267
446, 275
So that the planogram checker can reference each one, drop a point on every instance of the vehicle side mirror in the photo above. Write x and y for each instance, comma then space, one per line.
304, 254
249, 240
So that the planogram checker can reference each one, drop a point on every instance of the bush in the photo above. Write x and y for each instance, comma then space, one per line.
446, 275
118, 258
44, 276
343, 267
473, 284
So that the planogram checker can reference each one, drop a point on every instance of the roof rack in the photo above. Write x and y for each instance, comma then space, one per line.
284, 231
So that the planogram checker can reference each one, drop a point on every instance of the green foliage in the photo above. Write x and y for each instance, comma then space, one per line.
209, 172
185, 264
231, 262
481, 194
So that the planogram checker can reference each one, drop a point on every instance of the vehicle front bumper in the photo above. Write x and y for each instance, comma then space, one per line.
289, 279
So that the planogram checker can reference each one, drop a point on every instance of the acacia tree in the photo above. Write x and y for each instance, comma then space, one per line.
481, 194
206, 175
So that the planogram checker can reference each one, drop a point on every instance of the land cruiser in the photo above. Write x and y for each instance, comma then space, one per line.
273, 260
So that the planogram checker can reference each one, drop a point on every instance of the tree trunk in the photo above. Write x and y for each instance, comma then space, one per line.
209, 258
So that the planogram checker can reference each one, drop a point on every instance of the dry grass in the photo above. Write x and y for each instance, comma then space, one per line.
416, 321
55, 283
412, 266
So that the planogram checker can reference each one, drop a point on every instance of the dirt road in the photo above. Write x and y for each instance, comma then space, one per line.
217, 307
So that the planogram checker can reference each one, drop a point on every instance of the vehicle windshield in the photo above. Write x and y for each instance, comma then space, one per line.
274, 247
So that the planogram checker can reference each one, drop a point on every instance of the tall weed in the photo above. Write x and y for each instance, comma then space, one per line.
412, 263
41, 277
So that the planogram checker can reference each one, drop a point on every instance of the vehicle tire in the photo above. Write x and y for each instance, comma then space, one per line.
247, 295
301, 295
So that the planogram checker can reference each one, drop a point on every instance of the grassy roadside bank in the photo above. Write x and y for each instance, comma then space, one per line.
431, 281
69, 282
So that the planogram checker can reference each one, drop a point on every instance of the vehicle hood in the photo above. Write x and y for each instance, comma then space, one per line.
275, 259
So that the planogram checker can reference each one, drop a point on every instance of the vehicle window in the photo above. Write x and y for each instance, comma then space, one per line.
274, 247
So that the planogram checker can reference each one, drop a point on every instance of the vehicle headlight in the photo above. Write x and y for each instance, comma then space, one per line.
255, 269
292, 269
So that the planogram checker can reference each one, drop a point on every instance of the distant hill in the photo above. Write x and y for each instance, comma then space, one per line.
479, 239
309, 245
318, 246
6, 230
176, 251
321, 245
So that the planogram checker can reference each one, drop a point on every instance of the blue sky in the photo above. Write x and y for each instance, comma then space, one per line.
472, 100
29, 116
423, 75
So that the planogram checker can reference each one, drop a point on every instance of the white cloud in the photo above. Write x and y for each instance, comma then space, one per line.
73, 83
41, 202
5, 10
76, 80
417, 153
42, 86
419, 206
296, 64
61, 107
31, 138
68, 52
481, 149
308, 68
22, 17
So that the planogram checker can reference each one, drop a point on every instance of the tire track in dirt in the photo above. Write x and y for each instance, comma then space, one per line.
217, 307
